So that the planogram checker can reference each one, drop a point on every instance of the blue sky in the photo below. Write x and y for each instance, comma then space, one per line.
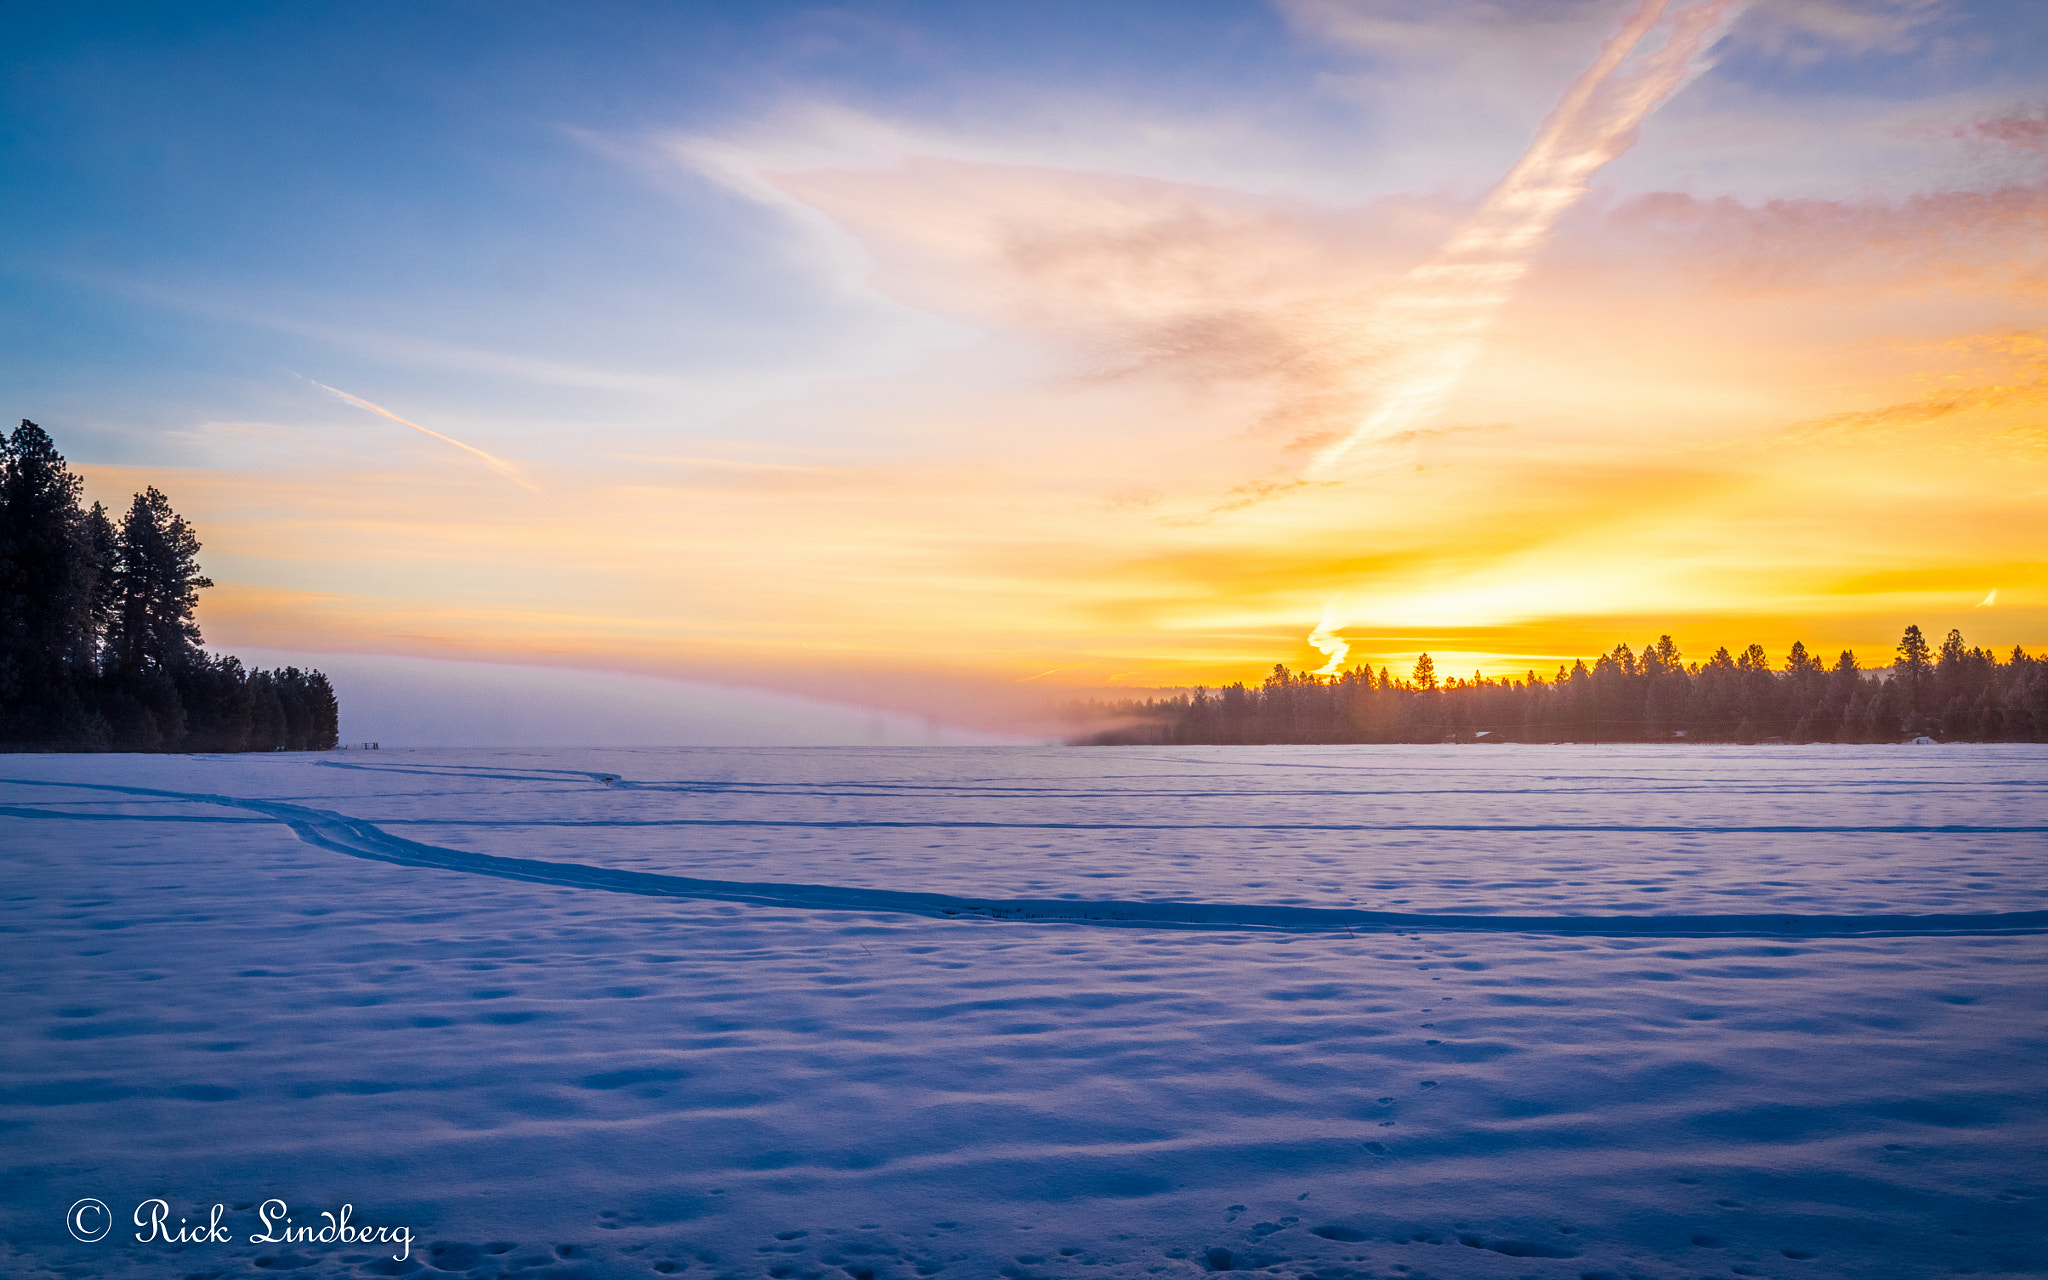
204, 196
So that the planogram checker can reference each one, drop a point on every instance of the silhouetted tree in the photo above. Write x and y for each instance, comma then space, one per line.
98, 646
1912, 667
49, 576
105, 542
156, 587
1621, 697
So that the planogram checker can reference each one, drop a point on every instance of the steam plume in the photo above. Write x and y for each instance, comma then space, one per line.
496, 464
1434, 319
1325, 638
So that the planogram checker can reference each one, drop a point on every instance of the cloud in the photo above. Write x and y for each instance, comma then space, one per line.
2026, 132
1992, 241
1690, 408
1133, 278
1055, 249
1443, 30
1965, 418
1445, 96
1806, 32
1155, 310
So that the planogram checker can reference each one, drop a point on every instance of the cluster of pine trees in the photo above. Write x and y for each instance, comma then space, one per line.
1956, 693
98, 650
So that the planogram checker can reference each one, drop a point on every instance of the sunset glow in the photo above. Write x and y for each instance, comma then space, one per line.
959, 370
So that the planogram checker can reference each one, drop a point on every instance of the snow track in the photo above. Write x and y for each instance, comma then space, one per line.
341, 833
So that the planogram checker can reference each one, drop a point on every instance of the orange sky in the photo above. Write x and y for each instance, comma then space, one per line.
1616, 467
1086, 456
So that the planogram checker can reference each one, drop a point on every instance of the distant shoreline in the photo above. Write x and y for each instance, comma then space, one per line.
1953, 694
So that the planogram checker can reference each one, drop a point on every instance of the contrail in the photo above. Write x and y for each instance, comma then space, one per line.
1435, 319
1436, 316
496, 464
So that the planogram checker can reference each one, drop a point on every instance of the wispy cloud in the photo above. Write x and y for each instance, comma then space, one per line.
2030, 132
1804, 32
1985, 241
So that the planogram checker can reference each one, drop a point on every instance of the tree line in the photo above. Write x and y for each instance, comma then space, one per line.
1954, 693
98, 647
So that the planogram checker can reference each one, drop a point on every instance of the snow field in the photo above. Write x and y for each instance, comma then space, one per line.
552, 1079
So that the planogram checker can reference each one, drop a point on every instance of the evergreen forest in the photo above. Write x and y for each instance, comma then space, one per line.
1954, 693
98, 647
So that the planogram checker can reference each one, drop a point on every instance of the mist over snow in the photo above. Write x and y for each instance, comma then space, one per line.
425, 702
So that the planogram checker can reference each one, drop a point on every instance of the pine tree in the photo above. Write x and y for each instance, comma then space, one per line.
325, 728
105, 543
1844, 680
156, 588
1912, 667
48, 578
98, 647
1800, 662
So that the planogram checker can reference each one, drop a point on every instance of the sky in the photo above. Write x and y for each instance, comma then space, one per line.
949, 361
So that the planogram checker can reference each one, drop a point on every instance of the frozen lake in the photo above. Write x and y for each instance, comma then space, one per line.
977, 1012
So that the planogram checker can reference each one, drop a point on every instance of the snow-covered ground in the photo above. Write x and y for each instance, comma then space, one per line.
980, 1012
